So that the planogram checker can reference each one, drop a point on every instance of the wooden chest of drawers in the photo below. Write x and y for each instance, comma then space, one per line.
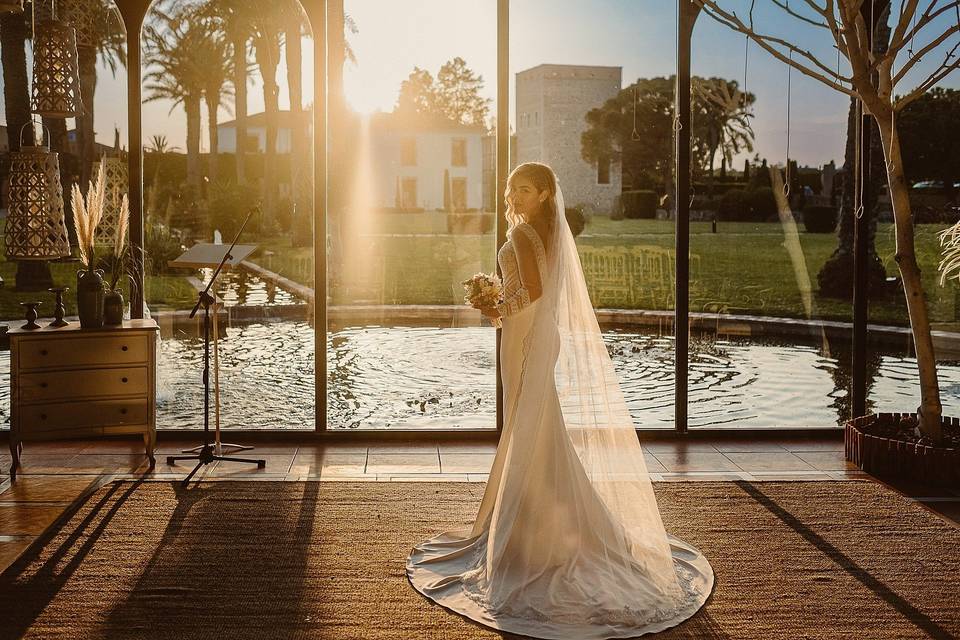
70, 382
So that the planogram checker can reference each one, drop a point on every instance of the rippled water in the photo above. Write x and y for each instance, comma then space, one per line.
242, 287
421, 377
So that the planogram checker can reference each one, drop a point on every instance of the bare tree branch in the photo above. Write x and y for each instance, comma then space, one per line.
936, 42
923, 21
942, 72
799, 16
839, 35
826, 75
907, 12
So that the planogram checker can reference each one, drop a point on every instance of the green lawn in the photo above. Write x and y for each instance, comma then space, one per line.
744, 268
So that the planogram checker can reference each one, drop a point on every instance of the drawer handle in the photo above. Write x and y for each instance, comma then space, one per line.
43, 416
43, 352
123, 411
123, 379
123, 348
43, 385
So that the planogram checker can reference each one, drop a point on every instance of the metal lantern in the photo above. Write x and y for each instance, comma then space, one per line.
35, 228
11, 6
56, 73
116, 184
87, 17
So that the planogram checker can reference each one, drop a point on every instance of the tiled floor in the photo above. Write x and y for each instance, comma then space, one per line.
55, 474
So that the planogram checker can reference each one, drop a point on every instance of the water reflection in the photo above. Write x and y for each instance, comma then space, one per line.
424, 377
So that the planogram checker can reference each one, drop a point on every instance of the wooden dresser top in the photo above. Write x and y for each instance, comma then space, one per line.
74, 328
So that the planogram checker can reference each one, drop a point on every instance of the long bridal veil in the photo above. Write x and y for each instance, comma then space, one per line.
577, 549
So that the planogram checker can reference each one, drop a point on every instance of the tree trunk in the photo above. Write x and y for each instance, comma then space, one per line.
340, 125
16, 96
271, 90
192, 106
299, 162
240, 106
154, 191
294, 51
713, 154
213, 103
85, 131
930, 407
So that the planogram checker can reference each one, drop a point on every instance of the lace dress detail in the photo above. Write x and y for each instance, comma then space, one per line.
516, 297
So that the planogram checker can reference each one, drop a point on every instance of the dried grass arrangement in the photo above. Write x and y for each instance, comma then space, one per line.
120, 246
87, 215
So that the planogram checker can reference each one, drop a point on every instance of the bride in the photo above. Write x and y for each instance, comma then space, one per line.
568, 541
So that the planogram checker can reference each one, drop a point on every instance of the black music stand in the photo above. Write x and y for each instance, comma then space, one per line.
206, 455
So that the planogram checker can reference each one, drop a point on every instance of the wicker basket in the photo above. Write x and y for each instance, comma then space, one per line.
890, 457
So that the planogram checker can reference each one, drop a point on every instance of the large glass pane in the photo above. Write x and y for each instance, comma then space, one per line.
593, 98
411, 214
227, 116
761, 236
29, 265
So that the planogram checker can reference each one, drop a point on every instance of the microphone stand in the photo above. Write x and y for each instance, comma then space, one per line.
206, 455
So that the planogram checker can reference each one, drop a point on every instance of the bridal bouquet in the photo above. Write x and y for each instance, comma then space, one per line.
483, 290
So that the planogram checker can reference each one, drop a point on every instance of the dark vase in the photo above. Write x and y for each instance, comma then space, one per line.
113, 307
90, 295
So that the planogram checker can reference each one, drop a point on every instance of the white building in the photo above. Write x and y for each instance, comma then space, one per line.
257, 132
412, 155
551, 108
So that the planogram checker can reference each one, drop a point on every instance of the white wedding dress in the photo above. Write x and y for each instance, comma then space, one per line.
568, 541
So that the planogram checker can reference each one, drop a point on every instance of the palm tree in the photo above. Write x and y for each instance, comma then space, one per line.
159, 147
171, 43
268, 25
300, 173
215, 50
16, 87
293, 50
236, 21
109, 47
723, 118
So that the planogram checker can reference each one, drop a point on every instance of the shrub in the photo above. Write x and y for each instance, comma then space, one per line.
228, 207
301, 229
704, 203
470, 222
283, 213
763, 204
820, 219
754, 205
576, 220
734, 206
639, 204
161, 245
617, 212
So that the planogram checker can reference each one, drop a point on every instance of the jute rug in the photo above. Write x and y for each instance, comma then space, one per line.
326, 560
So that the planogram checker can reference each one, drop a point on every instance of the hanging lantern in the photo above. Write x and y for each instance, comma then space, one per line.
87, 17
56, 73
11, 6
116, 185
35, 228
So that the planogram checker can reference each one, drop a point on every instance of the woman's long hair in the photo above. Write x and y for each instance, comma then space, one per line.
543, 179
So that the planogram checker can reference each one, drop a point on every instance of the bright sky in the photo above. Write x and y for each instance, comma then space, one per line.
637, 35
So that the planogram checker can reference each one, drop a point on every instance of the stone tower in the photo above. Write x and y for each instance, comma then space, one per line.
552, 104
